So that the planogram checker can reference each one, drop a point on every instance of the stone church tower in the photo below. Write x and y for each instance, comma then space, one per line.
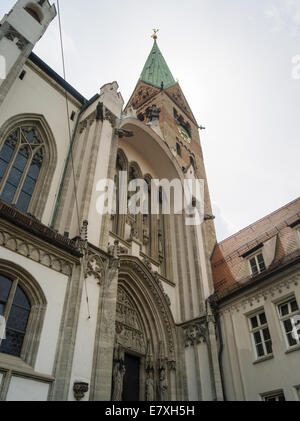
115, 306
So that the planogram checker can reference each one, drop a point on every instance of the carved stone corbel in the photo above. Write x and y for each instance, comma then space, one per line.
194, 333
123, 133
109, 116
80, 389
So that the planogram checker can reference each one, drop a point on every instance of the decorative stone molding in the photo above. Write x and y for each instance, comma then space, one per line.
262, 295
158, 295
95, 267
88, 121
80, 389
144, 94
152, 112
123, 133
194, 333
149, 364
108, 115
16, 37
160, 284
172, 365
34, 251
147, 263
129, 332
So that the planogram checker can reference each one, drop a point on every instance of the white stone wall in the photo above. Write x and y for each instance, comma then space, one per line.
34, 94
54, 286
85, 337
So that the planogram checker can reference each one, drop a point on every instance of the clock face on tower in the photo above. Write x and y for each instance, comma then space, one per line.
184, 134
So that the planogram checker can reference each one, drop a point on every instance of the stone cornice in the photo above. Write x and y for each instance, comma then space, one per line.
26, 244
35, 227
261, 295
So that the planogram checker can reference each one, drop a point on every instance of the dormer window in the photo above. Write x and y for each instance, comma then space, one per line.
257, 264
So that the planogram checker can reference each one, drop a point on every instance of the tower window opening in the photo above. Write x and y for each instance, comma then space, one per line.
178, 149
33, 10
192, 162
22, 74
141, 117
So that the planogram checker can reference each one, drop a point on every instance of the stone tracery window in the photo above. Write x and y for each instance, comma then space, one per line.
23, 306
15, 307
21, 159
28, 158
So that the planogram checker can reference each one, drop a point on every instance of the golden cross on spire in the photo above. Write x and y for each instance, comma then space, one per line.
154, 36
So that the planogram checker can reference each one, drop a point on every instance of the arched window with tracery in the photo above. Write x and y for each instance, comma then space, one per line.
21, 158
15, 308
27, 163
23, 306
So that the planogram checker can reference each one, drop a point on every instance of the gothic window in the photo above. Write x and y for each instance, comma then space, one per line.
21, 158
22, 306
28, 159
118, 220
15, 308
178, 149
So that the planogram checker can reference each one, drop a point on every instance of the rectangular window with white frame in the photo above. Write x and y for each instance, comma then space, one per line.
289, 316
257, 264
260, 334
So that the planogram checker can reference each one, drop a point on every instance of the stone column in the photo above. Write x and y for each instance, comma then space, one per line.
105, 333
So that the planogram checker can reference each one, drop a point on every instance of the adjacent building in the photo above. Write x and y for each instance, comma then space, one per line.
257, 280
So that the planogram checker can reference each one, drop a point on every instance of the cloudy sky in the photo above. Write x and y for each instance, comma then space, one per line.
234, 62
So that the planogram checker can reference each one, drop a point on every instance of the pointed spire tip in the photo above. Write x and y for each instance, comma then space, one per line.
154, 36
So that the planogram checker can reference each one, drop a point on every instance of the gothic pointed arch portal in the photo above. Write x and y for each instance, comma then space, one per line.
144, 354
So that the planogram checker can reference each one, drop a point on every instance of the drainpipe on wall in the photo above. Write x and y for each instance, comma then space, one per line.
214, 306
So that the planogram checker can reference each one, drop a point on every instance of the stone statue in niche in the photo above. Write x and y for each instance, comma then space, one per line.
150, 387
163, 385
118, 375
152, 113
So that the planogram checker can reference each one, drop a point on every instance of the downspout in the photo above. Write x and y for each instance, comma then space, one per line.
220, 352
215, 308
58, 200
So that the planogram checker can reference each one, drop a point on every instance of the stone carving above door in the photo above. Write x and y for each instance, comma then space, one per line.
128, 328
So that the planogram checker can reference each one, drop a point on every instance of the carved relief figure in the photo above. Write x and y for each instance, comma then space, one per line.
163, 385
150, 387
118, 375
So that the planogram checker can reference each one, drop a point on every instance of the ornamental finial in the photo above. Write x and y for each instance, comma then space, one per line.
154, 36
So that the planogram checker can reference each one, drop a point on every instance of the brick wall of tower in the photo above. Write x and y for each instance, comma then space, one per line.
143, 97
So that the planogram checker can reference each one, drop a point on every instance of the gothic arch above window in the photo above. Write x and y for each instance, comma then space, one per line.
23, 304
27, 162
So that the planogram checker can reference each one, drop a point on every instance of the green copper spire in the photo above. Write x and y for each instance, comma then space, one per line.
156, 70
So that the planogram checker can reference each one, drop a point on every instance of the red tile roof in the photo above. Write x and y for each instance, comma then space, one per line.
228, 264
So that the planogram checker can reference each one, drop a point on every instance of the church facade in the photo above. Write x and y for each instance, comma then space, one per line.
98, 306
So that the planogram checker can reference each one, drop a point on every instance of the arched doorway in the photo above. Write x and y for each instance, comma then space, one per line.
144, 353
